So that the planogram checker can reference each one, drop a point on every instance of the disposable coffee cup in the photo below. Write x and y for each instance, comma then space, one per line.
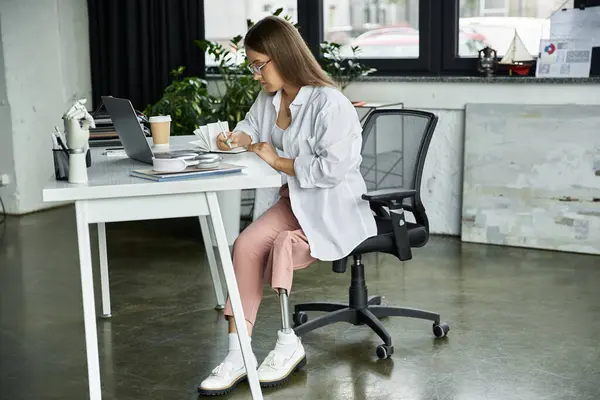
160, 127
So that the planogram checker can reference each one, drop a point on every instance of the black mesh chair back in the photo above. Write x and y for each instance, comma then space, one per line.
395, 144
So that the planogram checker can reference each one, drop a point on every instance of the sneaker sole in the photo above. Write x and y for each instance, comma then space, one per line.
219, 392
279, 382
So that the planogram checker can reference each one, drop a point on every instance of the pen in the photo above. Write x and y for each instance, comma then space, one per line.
58, 134
60, 142
54, 142
227, 140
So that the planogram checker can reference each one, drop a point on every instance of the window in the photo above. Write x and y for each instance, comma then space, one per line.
380, 28
225, 19
404, 37
494, 23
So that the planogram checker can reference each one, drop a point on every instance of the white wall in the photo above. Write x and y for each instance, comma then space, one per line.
44, 69
7, 163
442, 180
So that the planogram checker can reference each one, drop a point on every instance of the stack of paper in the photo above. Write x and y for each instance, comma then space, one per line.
207, 135
190, 172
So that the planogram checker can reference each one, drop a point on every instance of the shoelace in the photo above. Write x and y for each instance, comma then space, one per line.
223, 367
275, 359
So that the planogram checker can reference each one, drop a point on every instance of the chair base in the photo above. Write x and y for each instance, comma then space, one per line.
362, 310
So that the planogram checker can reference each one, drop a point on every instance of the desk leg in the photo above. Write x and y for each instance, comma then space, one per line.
212, 262
104, 281
234, 294
87, 292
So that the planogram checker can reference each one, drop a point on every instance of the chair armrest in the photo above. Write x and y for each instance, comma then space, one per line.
389, 196
393, 199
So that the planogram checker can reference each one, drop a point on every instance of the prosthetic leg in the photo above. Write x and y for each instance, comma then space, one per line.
285, 311
288, 355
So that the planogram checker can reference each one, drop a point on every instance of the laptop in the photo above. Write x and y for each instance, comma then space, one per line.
130, 131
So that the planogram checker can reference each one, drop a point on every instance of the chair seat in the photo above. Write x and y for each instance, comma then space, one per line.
384, 241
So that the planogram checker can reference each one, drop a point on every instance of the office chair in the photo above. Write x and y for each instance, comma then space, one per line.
395, 144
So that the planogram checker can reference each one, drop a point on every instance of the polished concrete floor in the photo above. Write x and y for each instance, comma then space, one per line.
524, 323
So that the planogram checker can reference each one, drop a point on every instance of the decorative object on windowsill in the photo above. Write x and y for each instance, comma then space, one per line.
487, 61
517, 59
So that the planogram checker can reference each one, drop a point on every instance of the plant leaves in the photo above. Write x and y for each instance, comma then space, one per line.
190, 104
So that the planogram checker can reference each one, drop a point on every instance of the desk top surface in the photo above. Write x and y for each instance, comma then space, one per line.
109, 177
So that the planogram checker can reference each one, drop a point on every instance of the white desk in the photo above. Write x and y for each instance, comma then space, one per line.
112, 195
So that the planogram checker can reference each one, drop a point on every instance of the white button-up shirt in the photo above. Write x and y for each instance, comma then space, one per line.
324, 139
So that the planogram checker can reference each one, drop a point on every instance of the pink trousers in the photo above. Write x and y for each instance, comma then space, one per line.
269, 250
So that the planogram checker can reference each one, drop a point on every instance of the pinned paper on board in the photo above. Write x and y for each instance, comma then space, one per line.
577, 23
564, 58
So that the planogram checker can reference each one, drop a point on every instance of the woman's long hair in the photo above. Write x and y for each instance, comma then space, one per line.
282, 43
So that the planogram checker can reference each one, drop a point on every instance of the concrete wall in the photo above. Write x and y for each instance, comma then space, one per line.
46, 66
442, 180
7, 162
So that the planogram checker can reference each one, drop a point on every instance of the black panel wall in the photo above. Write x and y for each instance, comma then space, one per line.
135, 44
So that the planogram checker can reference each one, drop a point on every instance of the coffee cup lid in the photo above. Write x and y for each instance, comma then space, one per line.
160, 118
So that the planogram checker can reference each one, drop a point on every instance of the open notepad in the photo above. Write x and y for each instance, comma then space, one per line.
207, 138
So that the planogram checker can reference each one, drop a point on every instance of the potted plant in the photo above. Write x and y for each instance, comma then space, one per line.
186, 100
343, 70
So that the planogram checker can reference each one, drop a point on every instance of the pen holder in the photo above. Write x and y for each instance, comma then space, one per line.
61, 163
88, 158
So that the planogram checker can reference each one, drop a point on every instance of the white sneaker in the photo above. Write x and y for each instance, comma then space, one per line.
287, 357
223, 379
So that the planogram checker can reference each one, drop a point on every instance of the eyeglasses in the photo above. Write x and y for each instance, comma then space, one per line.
256, 69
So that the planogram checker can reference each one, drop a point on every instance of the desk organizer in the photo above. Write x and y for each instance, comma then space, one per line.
61, 163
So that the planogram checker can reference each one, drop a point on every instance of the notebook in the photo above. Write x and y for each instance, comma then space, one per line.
188, 173
207, 138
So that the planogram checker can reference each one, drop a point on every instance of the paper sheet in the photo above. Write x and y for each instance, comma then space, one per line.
573, 23
564, 58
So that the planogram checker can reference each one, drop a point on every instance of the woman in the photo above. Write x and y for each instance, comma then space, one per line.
302, 126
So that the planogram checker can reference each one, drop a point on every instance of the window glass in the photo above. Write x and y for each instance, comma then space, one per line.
494, 23
225, 19
380, 28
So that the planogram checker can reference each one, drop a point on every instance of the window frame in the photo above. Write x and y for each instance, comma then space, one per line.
452, 63
311, 14
438, 43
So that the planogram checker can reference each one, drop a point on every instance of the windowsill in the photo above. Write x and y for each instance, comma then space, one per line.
479, 79
462, 79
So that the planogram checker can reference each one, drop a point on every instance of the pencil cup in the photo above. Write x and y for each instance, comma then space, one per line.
61, 164
88, 158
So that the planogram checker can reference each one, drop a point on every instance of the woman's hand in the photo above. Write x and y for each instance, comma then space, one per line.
265, 151
236, 139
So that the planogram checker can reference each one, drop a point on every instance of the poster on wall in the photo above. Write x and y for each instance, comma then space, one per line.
564, 58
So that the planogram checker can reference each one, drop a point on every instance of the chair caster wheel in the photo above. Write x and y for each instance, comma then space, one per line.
441, 330
300, 318
384, 351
